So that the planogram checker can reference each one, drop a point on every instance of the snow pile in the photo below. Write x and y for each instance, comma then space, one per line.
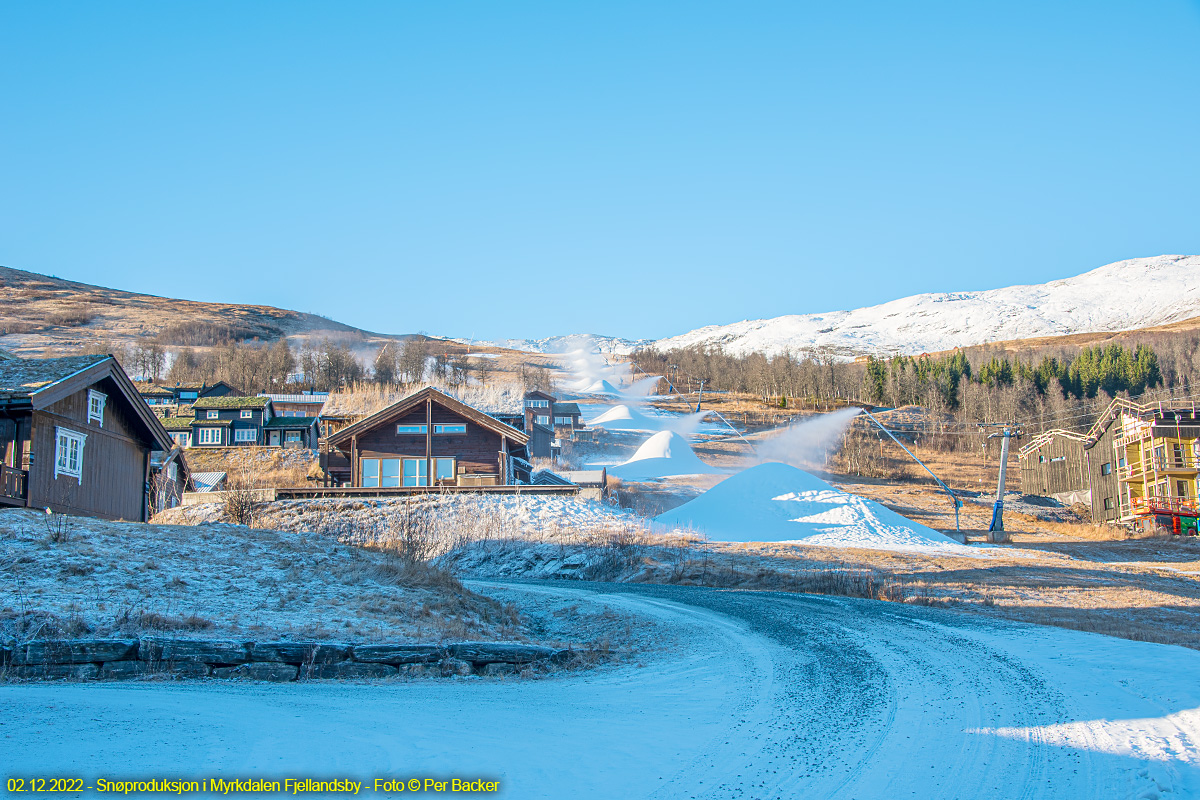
778, 503
601, 387
1121, 296
662, 455
626, 418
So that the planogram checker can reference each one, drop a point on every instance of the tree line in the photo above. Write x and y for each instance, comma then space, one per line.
278, 367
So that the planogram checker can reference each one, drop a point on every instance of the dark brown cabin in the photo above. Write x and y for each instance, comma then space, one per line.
76, 438
427, 434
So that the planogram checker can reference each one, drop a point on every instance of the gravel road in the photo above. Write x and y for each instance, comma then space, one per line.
760, 695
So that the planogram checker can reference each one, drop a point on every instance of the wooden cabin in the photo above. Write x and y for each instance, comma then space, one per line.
241, 421
76, 438
426, 439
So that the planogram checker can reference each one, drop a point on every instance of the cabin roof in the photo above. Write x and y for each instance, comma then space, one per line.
403, 406
177, 423
230, 401
27, 376
567, 408
291, 422
41, 382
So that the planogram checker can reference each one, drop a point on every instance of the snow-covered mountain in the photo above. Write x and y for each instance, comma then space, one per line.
1137, 293
567, 344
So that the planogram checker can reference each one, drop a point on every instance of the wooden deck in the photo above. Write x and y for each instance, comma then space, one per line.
14, 486
354, 491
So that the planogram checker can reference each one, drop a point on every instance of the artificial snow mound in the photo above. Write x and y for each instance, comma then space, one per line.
662, 455
775, 502
626, 418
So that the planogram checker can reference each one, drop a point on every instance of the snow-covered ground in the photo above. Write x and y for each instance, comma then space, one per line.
762, 696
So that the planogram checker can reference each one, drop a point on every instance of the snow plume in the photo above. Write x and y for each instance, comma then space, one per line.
808, 442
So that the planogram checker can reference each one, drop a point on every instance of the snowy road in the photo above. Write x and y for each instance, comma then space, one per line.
768, 696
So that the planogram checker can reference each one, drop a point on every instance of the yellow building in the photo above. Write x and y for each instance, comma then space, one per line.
1157, 450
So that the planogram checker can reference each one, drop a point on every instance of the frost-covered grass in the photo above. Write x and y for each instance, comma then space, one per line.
71, 576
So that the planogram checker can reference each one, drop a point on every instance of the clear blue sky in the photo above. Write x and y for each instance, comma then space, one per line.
637, 169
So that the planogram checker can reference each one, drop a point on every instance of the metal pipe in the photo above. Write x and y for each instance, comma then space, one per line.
953, 497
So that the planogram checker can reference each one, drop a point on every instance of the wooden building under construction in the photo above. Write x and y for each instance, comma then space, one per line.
1136, 465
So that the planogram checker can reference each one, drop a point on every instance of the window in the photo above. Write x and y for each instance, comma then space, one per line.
1121, 461
1041, 459
448, 429
411, 430
416, 472
444, 469
542, 420
188, 395
209, 435
537, 403
563, 421
245, 435
96, 402
369, 472
292, 436
1108, 504
1181, 489
173, 471
1106, 468
213, 415
247, 414
68, 457
182, 439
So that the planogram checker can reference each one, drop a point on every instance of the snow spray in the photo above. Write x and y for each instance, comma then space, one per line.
810, 441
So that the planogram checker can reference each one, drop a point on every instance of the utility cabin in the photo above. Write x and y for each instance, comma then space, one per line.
427, 439
76, 438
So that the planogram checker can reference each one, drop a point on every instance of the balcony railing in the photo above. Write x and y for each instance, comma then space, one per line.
1148, 506
14, 484
1182, 463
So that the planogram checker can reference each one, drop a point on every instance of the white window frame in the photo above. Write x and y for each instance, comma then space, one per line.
63, 439
212, 415
245, 435
422, 429
293, 436
96, 399
542, 420
247, 413
216, 435
439, 429
564, 420
537, 403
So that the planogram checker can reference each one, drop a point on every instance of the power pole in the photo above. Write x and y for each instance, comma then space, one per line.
996, 529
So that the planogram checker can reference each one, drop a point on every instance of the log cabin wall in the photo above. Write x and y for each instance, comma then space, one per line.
476, 452
115, 463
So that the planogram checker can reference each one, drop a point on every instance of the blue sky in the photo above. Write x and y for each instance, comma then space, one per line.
635, 169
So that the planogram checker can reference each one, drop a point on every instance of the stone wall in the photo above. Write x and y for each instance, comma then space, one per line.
117, 659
